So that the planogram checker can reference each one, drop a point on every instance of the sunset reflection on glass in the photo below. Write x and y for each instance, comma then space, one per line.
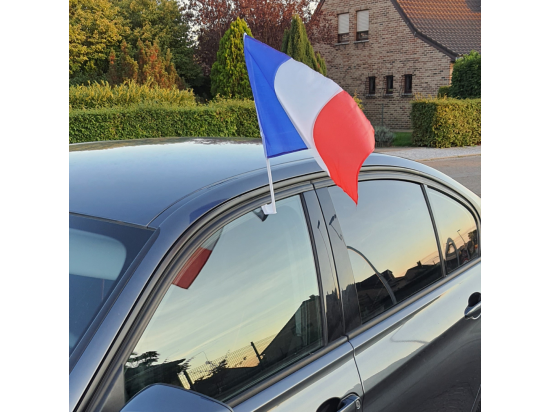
391, 242
456, 228
245, 305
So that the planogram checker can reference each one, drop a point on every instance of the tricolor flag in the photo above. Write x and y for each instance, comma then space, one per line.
299, 108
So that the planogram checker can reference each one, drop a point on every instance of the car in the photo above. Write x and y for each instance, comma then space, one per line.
185, 296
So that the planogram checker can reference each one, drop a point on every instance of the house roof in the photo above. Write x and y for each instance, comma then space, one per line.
452, 26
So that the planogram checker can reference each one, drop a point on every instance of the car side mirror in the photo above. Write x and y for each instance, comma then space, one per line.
166, 398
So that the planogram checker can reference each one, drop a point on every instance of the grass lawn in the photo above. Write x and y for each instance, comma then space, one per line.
403, 139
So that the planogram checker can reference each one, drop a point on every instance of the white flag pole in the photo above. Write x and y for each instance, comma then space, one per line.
269, 209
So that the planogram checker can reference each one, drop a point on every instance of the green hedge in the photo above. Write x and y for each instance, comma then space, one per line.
446, 122
225, 119
466, 79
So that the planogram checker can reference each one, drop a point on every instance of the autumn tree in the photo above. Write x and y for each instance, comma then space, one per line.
297, 45
152, 67
267, 19
229, 75
94, 28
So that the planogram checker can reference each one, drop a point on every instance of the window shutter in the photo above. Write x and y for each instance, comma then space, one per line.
363, 20
343, 23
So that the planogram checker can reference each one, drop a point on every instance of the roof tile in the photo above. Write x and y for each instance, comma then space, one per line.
453, 24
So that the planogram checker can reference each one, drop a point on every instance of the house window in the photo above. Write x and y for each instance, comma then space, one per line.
372, 85
389, 84
343, 28
362, 25
408, 84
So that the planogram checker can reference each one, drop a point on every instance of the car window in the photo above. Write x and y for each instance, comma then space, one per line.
456, 228
100, 252
391, 242
245, 305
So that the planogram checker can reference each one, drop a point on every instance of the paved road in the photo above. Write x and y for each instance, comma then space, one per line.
466, 170
461, 163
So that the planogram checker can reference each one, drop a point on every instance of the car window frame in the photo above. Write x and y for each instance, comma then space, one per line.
471, 210
184, 248
345, 273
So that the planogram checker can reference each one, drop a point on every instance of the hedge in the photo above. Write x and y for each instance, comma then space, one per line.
446, 122
226, 119
466, 78
101, 95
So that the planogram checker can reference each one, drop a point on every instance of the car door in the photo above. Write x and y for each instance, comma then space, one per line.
250, 315
413, 312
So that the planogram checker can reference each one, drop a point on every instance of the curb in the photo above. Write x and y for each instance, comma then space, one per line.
446, 157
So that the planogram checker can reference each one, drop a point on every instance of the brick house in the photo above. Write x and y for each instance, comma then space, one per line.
389, 50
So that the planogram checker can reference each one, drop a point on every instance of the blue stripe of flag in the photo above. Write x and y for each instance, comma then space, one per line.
262, 62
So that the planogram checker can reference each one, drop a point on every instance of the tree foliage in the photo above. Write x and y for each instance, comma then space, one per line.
267, 19
94, 28
165, 22
229, 75
297, 45
152, 68
466, 79
105, 36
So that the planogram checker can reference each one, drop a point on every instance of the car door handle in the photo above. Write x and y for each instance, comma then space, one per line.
473, 312
351, 403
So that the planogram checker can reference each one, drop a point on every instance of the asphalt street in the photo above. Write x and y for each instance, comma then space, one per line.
466, 170
461, 163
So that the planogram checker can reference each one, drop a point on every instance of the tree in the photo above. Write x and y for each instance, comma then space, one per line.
267, 19
125, 68
297, 46
156, 69
163, 21
94, 28
466, 79
229, 75
152, 67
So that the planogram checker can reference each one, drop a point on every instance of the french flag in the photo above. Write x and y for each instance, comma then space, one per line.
299, 108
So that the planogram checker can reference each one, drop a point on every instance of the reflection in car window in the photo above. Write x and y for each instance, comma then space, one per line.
99, 253
391, 242
456, 228
245, 305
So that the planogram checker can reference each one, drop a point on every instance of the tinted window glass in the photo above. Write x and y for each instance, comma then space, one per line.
99, 253
456, 228
391, 242
245, 305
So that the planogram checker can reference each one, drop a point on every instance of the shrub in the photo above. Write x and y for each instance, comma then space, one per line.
383, 136
443, 91
98, 95
229, 76
466, 79
357, 100
220, 118
446, 122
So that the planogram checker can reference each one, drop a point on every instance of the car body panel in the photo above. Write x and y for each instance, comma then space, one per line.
334, 375
427, 353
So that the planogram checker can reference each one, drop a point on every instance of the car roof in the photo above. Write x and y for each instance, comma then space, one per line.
134, 181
